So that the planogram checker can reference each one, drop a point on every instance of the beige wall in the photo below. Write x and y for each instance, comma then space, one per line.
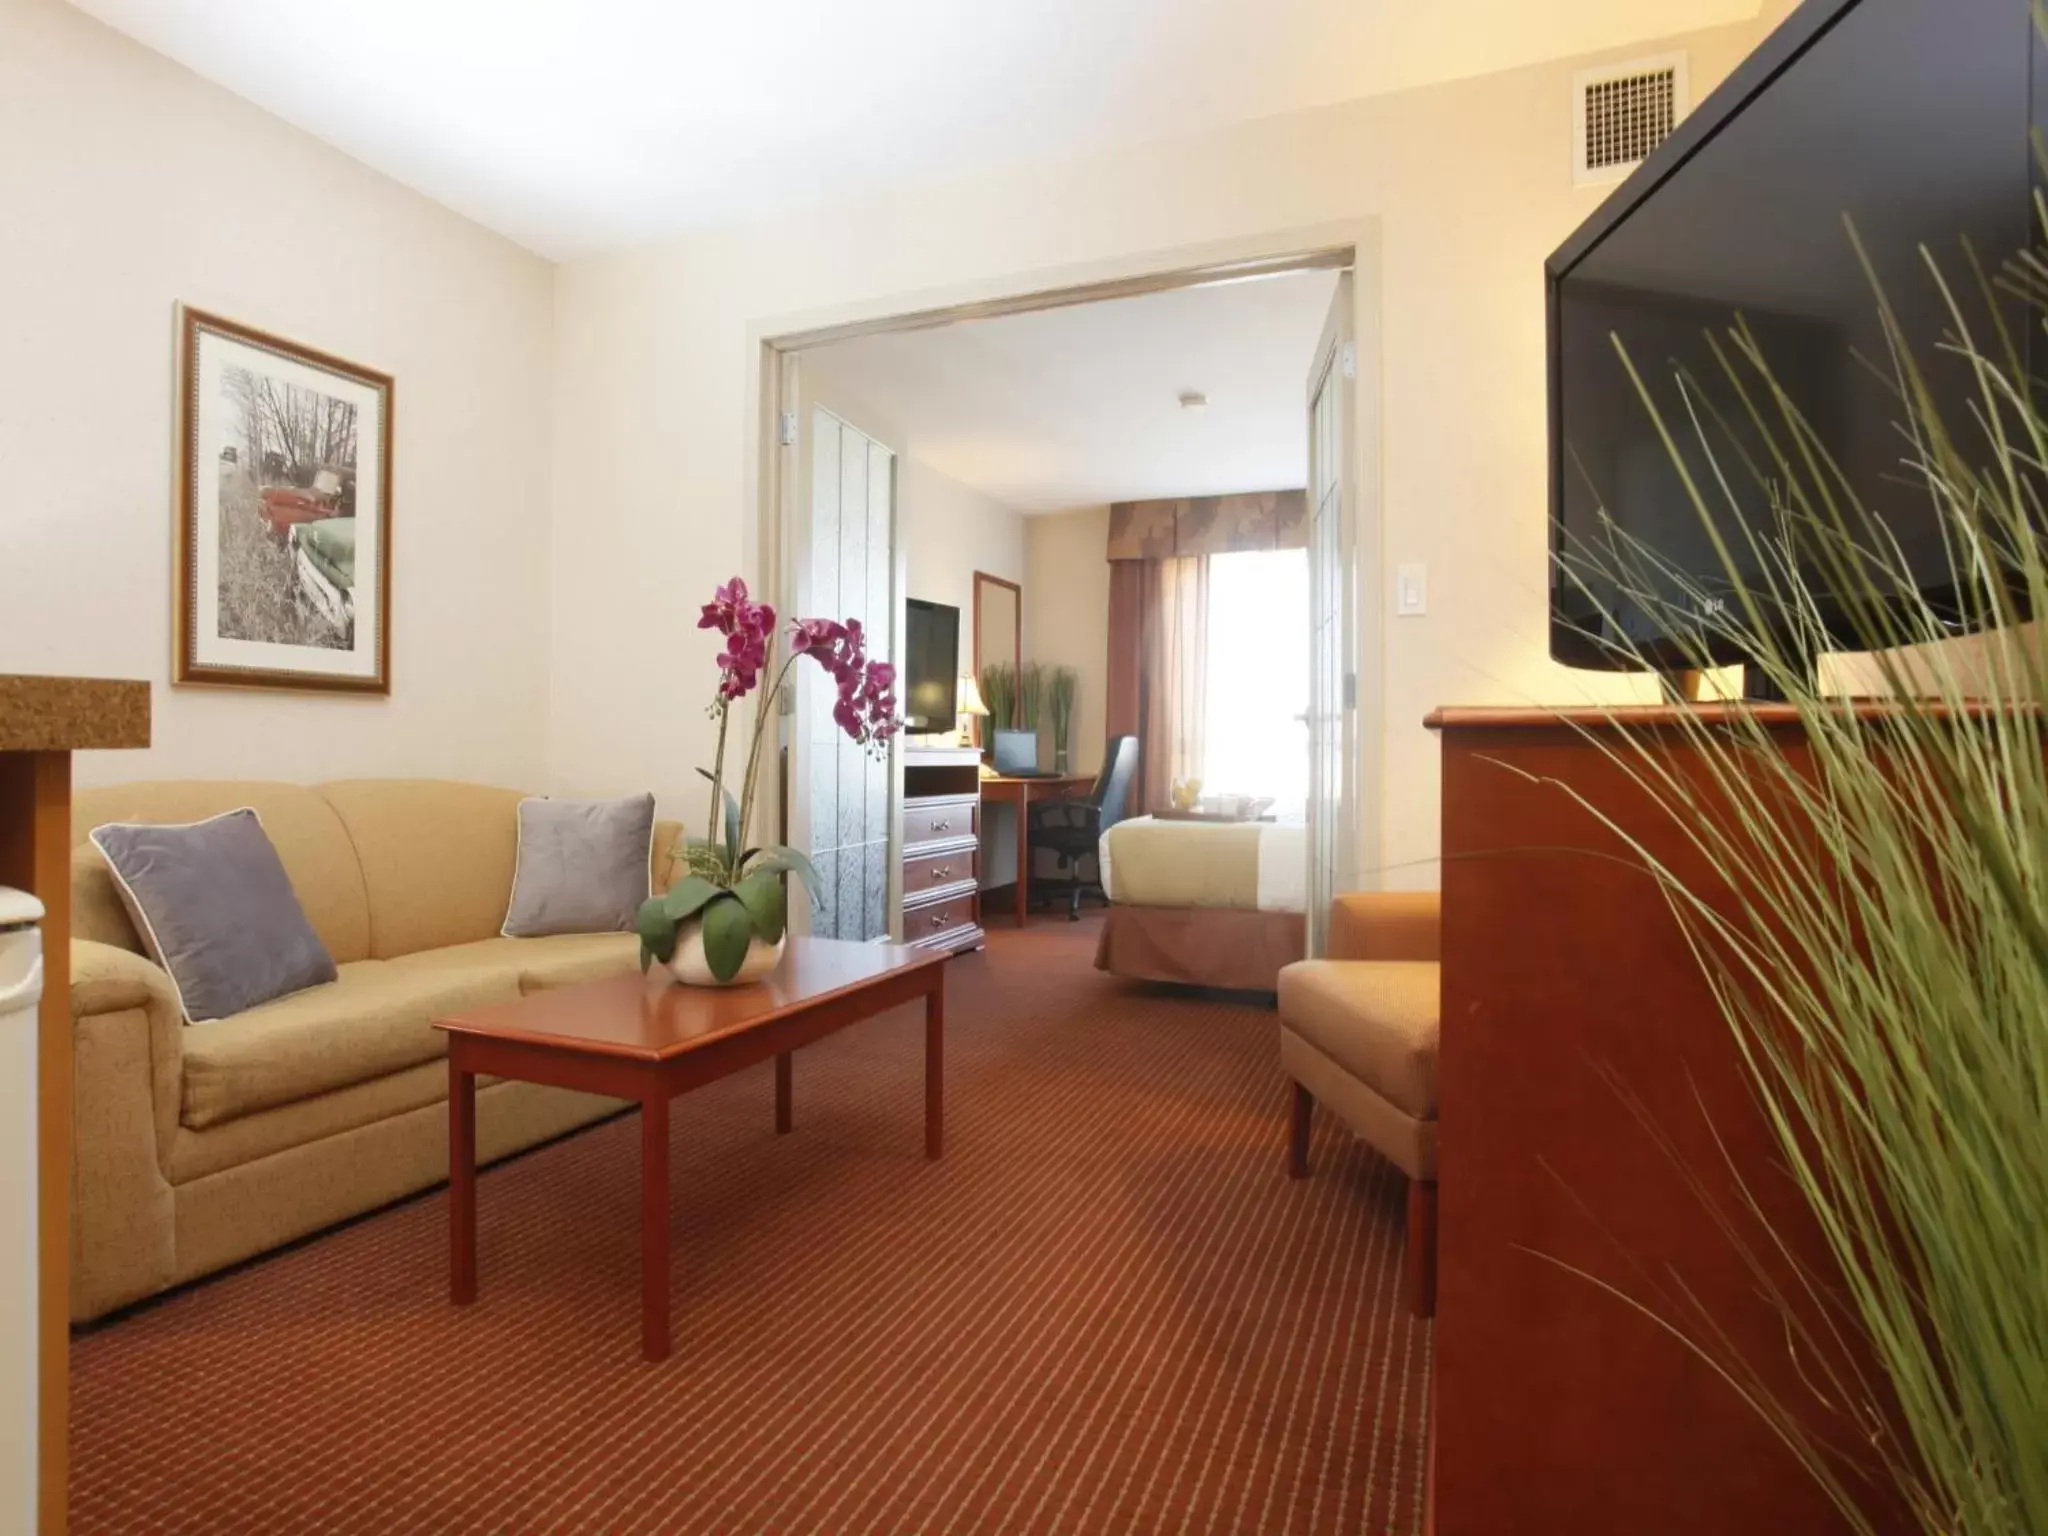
1066, 613
1471, 187
950, 531
128, 184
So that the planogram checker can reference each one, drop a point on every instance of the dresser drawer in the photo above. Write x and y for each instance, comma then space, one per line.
922, 924
935, 823
927, 871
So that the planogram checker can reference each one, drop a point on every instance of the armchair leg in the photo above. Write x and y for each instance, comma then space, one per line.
1419, 1268
1297, 1132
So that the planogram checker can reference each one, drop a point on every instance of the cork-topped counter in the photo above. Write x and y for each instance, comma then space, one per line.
72, 714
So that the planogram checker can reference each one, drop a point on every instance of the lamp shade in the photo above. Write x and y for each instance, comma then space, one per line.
969, 699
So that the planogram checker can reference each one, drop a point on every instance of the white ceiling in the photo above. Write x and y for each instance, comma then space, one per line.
580, 125
1075, 407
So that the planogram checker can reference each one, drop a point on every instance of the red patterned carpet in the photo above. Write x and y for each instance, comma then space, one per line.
1106, 1310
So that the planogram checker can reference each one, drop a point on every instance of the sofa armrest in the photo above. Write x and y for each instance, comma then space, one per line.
1385, 925
127, 1060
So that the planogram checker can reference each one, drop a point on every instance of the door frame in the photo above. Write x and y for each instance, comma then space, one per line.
773, 369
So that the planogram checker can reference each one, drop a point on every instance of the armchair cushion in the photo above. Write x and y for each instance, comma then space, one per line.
1375, 1019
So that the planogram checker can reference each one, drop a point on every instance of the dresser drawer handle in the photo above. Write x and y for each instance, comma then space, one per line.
940, 871
942, 826
938, 919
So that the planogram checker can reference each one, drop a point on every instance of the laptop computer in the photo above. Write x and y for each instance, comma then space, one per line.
1014, 755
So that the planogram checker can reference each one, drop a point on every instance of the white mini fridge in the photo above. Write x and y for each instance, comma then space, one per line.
21, 988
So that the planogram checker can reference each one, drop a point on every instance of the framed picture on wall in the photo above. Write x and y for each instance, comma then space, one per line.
284, 514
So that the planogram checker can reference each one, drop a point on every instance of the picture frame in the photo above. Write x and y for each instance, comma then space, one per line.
283, 541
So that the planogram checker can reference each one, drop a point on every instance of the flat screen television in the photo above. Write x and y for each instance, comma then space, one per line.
931, 666
1913, 118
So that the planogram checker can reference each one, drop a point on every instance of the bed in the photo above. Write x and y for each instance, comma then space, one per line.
1206, 904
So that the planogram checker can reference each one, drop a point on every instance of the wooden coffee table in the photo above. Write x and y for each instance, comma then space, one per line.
635, 1037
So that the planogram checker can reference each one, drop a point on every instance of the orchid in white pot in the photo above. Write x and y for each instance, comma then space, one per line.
724, 923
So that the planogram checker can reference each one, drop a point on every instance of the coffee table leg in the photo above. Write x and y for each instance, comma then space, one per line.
935, 1066
461, 1185
654, 1342
784, 1114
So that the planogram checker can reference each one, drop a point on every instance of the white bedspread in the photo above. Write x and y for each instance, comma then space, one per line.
1283, 863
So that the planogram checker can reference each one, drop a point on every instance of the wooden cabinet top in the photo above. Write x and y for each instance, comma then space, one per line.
1582, 717
69, 714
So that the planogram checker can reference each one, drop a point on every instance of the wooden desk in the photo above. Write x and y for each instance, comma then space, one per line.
641, 1038
43, 720
1021, 793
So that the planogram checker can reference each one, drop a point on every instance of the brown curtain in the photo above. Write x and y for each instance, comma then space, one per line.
1158, 668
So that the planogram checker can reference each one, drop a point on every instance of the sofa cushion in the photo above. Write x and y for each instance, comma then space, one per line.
436, 858
583, 866
1377, 1019
559, 960
217, 910
309, 838
373, 1020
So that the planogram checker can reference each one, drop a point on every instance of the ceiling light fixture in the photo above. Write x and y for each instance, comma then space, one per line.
1193, 400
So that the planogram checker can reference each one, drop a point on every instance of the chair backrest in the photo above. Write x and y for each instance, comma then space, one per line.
1113, 785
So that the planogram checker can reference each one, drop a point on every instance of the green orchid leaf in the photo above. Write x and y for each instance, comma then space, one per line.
780, 858
728, 930
657, 930
761, 894
687, 897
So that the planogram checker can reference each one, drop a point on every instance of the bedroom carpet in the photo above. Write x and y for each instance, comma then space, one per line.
1106, 1310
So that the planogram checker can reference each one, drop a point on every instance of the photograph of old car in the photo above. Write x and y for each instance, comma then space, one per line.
284, 549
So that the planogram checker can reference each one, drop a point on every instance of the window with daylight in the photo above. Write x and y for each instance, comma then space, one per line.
1257, 690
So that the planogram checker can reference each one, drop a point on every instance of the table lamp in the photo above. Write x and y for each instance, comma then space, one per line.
967, 704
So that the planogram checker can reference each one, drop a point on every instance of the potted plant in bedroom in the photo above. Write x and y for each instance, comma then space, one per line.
1061, 685
723, 923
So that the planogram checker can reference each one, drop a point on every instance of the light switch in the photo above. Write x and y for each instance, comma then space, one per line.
1411, 589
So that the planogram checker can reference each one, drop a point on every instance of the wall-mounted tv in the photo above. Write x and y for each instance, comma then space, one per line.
931, 666
1913, 118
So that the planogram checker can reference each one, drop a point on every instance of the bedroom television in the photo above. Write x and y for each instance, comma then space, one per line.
931, 666
1911, 117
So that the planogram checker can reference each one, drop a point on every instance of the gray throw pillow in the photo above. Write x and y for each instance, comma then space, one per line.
214, 905
583, 866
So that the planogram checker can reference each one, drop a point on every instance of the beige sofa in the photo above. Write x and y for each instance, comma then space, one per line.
194, 1147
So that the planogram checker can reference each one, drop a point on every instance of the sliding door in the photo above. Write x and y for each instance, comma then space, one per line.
841, 797
1334, 743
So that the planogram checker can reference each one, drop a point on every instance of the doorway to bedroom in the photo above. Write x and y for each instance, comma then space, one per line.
1129, 485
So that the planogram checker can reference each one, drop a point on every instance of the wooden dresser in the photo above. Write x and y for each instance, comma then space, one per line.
942, 848
1598, 1129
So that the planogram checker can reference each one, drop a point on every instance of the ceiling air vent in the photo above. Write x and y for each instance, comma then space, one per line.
1622, 112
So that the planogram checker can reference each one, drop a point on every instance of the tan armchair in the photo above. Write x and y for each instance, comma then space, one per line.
1358, 1031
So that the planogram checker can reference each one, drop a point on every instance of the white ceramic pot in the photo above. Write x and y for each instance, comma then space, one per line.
689, 966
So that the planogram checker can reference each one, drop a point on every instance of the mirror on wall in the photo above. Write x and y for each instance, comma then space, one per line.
998, 626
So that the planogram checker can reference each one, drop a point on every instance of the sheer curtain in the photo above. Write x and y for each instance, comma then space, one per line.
1257, 684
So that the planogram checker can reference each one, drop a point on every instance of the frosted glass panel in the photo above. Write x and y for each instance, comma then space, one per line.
852, 575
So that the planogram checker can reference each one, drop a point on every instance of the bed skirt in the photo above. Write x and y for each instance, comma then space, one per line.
1201, 946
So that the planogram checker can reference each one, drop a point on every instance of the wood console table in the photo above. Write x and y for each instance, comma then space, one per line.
43, 720
1575, 1019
